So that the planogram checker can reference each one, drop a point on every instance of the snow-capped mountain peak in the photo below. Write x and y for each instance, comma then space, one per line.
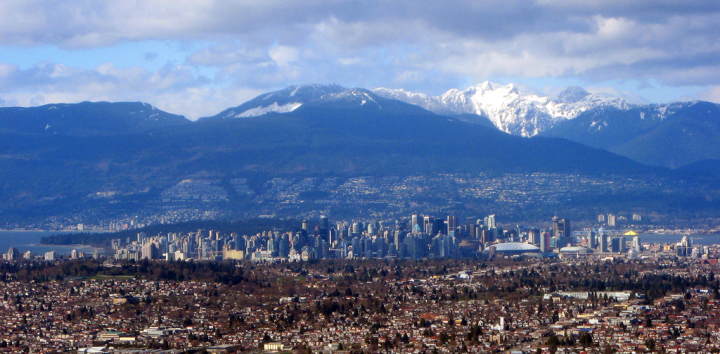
509, 108
281, 101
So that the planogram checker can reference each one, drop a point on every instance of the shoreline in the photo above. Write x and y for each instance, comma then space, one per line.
76, 231
51, 245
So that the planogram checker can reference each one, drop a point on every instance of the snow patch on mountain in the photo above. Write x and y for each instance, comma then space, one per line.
510, 110
274, 107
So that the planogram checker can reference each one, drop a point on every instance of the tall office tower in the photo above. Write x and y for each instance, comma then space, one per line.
399, 236
617, 244
332, 236
636, 243
324, 223
472, 231
685, 242
565, 228
380, 247
163, 245
685, 247
296, 243
497, 233
428, 223
240, 243
357, 253
284, 246
342, 233
451, 224
305, 225
601, 218
414, 221
271, 246
602, 241
367, 247
438, 226
561, 227
388, 236
324, 227
356, 228
591, 239
371, 229
533, 238
544, 242
490, 221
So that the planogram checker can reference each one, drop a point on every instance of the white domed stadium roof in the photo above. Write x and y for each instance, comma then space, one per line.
515, 247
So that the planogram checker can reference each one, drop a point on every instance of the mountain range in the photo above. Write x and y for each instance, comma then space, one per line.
669, 135
640, 132
115, 158
509, 109
86, 119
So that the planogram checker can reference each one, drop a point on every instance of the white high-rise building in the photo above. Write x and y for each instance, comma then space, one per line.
636, 244
611, 220
490, 222
50, 256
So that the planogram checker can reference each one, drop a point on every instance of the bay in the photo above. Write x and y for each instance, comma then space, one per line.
30, 241
700, 240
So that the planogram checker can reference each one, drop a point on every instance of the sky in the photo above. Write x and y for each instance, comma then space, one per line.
197, 58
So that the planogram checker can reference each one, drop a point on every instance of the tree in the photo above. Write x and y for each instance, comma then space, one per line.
554, 340
650, 344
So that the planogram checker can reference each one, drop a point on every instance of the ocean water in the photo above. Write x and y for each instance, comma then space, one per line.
30, 241
700, 240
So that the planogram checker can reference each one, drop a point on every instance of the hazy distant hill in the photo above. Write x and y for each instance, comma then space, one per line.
86, 118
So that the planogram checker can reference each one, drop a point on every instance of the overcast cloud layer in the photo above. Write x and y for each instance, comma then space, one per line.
216, 54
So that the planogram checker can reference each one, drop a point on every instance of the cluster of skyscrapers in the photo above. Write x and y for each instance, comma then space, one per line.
417, 237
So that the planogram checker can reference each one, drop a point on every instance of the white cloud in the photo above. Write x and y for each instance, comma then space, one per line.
630, 97
227, 54
284, 55
712, 94
250, 46
172, 88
